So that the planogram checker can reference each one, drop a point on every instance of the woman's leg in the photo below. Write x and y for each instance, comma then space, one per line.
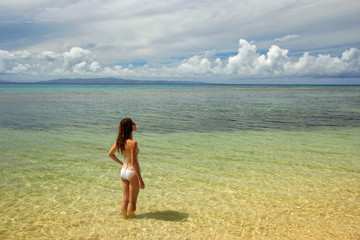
133, 194
125, 201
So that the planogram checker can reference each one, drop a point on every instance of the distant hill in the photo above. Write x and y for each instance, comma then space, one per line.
4, 82
116, 81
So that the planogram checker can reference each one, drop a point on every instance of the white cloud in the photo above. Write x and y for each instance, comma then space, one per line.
4, 58
15, 55
156, 31
78, 59
8, 61
20, 69
94, 67
23, 54
247, 63
6, 54
195, 64
276, 63
287, 38
49, 55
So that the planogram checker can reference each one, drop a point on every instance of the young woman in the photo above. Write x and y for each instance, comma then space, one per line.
130, 173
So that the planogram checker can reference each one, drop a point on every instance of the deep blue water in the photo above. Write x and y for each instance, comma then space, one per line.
162, 108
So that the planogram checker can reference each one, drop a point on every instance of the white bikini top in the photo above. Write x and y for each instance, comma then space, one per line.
126, 159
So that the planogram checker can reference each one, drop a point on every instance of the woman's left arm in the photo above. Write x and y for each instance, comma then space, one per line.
135, 163
111, 154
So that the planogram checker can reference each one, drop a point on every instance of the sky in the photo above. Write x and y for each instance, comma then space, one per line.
228, 41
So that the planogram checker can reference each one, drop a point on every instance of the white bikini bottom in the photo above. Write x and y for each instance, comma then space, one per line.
126, 173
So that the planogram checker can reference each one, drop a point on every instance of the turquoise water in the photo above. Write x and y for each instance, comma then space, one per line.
178, 108
219, 162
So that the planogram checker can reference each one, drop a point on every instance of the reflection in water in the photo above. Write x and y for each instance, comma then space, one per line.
167, 215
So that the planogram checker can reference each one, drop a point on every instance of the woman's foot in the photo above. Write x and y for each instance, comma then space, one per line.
131, 214
124, 213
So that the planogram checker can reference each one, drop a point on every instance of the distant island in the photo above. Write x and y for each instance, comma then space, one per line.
109, 81
119, 81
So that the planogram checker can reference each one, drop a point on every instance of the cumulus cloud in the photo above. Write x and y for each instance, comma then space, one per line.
248, 62
158, 30
195, 64
9, 61
94, 67
49, 55
20, 69
4, 58
6, 54
78, 60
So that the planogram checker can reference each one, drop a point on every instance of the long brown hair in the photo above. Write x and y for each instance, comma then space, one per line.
125, 133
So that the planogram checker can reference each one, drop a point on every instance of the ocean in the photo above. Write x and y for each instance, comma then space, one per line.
218, 161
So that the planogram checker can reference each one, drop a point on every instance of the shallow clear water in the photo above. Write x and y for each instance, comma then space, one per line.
240, 162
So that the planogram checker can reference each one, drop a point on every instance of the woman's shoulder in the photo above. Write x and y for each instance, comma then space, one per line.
131, 143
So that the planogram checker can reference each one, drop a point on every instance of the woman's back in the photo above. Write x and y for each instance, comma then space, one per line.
130, 148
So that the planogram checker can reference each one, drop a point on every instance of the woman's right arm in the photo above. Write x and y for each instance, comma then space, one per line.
111, 154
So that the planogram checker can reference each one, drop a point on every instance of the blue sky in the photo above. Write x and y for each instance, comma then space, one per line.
215, 41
